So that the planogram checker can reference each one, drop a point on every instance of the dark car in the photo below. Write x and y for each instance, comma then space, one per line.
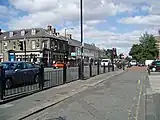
19, 72
155, 66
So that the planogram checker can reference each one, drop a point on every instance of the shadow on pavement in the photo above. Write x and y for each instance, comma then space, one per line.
59, 118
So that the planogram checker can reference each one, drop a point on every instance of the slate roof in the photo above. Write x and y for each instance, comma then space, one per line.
40, 32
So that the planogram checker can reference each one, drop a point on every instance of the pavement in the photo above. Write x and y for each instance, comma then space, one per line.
118, 98
153, 97
32, 104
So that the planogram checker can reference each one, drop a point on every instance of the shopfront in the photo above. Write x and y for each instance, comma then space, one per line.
11, 55
1, 57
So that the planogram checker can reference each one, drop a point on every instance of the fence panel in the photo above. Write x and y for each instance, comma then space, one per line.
72, 74
94, 70
25, 84
86, 72
53, 78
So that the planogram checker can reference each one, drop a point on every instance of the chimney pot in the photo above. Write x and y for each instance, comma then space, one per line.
49, 27
70, 36
54, 30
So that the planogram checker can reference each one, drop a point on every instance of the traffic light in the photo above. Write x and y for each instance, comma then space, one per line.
114, 52
21, 45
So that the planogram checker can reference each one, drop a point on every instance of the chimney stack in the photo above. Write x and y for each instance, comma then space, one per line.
58, 33
70, 36
49, 27
54, 30
0, 31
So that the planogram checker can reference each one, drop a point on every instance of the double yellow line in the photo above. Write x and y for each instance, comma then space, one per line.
140, 87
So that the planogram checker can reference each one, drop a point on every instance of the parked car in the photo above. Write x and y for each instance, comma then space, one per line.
133, 63
105, 62
19, 72
155, 66
58, 65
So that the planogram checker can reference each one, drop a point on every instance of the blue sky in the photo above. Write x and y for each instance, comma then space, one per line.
107, 23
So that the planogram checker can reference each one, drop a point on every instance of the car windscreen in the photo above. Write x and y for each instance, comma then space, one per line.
157, 62
133, 61
9, 66
104, 60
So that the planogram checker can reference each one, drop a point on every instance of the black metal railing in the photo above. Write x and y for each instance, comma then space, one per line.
47, 79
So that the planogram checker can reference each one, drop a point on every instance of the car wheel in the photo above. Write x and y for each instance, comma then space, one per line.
8, 83
154, 69
36, 79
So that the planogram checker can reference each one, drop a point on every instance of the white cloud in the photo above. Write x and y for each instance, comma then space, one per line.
94, 22
61, 12
64, 13
113, 28
6, 12
152, 20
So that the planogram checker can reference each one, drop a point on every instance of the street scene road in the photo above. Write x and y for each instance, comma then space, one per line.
118, 98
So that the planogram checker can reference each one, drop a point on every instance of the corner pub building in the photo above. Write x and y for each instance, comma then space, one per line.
33, 45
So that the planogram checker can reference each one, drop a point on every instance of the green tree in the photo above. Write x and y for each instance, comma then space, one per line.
147, 49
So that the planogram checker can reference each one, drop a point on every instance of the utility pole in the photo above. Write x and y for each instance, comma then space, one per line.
81, 23
67, 53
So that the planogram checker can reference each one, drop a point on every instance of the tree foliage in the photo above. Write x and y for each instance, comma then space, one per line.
146, 49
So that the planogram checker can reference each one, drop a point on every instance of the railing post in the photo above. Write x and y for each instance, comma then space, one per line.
104, 68
2, 79
90, 69
112, 67
64, 73
98, 68
79, 71
108, 67
41, 77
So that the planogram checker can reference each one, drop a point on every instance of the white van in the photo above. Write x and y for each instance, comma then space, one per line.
133, 63
105, 62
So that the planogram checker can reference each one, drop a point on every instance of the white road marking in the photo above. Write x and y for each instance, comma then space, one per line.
6, 105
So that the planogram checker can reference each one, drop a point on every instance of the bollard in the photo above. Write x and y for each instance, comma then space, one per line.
64, 73
98, 68
108, 67
148, 70
112, 67
90, 69
41, 77
104, 68
2, 79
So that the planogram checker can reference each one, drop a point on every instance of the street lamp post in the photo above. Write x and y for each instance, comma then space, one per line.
81, 23
68, 40
25, 49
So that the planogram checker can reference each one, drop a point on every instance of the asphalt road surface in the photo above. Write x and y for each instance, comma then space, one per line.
119, 98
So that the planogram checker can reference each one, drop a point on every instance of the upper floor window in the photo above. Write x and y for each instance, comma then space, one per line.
33, 32
5, 46
10, 34
14, 45
22, 33
44, 44
33, 44
52, 44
